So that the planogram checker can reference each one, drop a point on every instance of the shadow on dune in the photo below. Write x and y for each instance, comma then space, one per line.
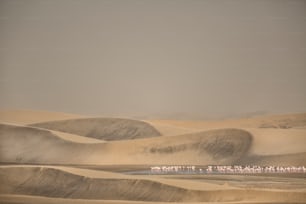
103, 128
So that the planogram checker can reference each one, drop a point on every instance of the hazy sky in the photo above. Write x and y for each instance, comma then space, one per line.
153, 57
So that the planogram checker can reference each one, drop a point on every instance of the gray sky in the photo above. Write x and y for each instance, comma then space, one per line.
159, 58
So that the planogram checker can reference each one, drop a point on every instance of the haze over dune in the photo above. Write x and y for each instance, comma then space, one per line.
29, 116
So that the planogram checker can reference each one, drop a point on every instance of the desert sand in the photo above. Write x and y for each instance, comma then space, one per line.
64, 158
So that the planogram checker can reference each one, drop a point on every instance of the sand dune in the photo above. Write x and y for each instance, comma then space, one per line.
280, 143
268, 121
188, 184
22, 199
31, 145
56, 183
103, 128
56, 139
21, 144
225, 146
25, 199
60, 184
272, 182
65, 136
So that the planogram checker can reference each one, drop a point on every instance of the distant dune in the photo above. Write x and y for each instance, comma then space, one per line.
103, 128
61, 184
270, 121
24, 117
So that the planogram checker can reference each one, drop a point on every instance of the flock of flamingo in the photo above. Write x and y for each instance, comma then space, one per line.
228, 169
